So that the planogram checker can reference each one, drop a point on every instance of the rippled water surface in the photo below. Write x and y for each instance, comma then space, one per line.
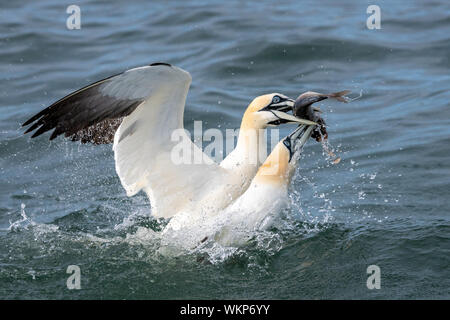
386, 203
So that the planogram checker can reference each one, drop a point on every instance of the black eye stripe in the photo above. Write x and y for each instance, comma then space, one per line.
269, 106
277, 99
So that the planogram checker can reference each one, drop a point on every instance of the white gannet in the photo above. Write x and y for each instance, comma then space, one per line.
256, 209
138, 110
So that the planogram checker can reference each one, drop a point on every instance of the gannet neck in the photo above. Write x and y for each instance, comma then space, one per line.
243, 162
250, 148
250, 119
276, 169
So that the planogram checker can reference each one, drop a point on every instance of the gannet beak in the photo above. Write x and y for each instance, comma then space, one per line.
285, 105
300, 135
297, 139
288, 118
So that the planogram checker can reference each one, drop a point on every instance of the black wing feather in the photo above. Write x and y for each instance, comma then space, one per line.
83, 115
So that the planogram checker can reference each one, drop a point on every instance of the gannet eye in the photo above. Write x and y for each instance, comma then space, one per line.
276, 99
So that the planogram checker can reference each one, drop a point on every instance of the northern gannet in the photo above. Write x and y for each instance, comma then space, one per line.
138, 110
256, 209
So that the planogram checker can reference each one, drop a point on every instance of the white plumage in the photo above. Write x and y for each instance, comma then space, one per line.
141, 109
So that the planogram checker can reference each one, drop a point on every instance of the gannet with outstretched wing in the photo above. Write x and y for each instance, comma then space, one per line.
256, 209
138, 110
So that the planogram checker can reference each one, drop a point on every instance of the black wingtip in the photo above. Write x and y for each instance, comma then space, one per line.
55, 133
33, 118
33, 127
27, 122
160, 64
35, 135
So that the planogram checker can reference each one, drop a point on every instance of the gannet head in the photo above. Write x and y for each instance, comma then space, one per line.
270, 110
280, 164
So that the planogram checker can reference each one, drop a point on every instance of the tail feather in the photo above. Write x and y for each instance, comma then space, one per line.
339, 96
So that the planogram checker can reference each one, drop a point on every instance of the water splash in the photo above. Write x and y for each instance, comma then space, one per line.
22, 223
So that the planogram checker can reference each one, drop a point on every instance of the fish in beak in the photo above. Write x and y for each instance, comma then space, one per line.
284, 117
280, 111
303, 109
279, 108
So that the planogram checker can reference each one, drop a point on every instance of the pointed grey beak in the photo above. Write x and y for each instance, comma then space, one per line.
281, 110
288, 118
297, 139
300, 135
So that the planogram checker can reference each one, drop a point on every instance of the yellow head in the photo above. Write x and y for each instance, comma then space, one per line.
269, 110
280, 164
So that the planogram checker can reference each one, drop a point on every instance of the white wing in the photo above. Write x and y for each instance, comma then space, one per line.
144, 148
151, 101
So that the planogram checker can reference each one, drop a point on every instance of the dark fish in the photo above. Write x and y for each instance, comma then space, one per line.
303, 109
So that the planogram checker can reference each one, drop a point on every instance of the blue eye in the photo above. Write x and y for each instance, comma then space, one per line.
276, 99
